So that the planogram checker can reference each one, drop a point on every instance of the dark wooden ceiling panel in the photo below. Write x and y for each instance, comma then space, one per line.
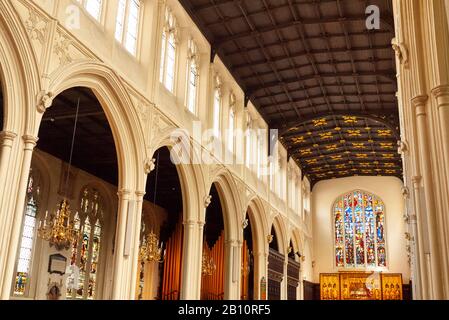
303, 61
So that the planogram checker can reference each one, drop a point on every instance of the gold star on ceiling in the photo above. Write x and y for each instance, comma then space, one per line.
336, 158
332, 147
305, 152
326, 135
319, 122
358, 145
354, 133
384, 133
350, 119
361, 156
386, 145
297, 140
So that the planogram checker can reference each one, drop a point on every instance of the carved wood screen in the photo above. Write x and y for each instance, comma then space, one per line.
212, 286
275, 274
292, 278
171, 282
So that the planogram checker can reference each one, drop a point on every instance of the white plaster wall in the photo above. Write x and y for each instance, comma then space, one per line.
388, 189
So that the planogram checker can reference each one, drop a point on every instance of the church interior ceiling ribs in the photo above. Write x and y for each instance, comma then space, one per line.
315, 72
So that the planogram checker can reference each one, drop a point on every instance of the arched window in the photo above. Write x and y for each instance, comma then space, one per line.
25, 254
359, 219
168, 51
86, 250
192, 77
94, 7
127, 24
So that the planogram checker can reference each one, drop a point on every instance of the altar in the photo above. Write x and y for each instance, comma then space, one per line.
361, 286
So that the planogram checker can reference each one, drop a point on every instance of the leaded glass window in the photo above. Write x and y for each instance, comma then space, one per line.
359, 219
85, 255
25, 254
168, 51
127, 24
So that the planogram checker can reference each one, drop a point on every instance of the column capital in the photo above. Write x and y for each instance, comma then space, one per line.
440, 91
140, 195
6, 137
124, 193
419, 102
30, 141
189, 223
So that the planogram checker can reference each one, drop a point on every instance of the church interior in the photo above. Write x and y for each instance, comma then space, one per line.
224, 150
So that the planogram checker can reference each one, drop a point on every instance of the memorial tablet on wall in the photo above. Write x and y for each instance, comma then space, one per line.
57, 264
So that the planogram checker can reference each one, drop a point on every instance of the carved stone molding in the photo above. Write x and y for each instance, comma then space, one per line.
402, 147
207, 200
149, 165
61, 48
45, 100
401, 52
35, 26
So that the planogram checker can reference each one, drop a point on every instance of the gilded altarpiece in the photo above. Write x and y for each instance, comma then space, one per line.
360, 286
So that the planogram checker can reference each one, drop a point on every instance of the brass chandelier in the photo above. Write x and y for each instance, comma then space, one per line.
57, 229
150, 249
208, 265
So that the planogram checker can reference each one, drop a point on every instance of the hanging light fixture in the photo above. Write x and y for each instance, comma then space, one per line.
151, 249
208, 266
58, 229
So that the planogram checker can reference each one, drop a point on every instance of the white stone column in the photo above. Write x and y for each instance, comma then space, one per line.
430, 210
191, 269
284, 284
134, 258
232, 269
6, 144
421, 240
118, 288
15, 220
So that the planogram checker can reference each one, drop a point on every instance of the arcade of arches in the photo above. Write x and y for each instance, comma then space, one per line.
136, 160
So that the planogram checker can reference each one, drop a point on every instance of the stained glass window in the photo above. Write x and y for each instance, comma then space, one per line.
359, 238
85, 256
22, 274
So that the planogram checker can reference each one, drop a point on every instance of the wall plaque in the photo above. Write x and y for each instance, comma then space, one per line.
57, 264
